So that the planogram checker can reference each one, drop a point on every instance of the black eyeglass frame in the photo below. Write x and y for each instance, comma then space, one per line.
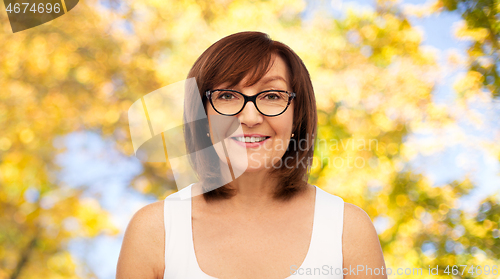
253, 99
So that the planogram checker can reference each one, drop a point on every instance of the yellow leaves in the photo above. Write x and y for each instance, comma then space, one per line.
477, 34
392, 148
26, 135
369, 32
413, 227
401, 200
478, 231
41, 48
342, 115
112, 116
322, 119
472, 78
104, 116
382, 121
438, 115
72, 59
42, 63
428, 56
295, 6
157, 3
101, 57
20, 92
443, 209
419, 212
12, 66
487, 224
469, 85
60, 65
5, 143
70, 45
436, 6
142, 185
387, 52
106, 90
93, 219
3, 272
374, 131
9, 172
83, 74
424, 9
408, 151
62, 264
412, 36
326, 88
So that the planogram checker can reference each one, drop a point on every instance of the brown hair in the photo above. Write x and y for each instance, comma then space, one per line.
231, 59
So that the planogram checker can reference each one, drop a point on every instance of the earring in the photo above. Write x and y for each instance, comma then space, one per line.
293, 135
208, 134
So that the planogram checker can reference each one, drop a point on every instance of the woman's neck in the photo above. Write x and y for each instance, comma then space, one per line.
253, 191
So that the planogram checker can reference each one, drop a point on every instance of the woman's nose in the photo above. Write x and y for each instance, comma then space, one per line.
250, 116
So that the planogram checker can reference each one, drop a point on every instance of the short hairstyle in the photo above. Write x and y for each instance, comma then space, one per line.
230, 60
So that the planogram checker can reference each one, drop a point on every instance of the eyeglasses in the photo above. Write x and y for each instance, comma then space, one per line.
231, 102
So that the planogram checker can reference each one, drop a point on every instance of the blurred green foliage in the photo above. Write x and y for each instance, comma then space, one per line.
482, 18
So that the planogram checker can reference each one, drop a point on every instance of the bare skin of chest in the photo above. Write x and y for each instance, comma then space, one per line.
260, 244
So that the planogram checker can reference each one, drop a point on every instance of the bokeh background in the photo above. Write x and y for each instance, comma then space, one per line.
408, 90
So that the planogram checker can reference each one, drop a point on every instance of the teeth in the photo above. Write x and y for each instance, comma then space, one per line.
250, 139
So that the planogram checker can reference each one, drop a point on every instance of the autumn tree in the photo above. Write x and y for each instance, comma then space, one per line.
482, 27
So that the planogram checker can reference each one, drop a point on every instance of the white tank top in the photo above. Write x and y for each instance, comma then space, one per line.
323, 259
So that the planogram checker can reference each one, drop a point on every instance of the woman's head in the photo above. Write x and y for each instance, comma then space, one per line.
250, 63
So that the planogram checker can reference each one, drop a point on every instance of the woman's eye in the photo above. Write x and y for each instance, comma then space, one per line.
227, 96
272, 96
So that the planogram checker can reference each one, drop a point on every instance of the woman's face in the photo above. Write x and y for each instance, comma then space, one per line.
276, 130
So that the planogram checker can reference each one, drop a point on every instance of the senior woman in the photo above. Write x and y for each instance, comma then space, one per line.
267, 222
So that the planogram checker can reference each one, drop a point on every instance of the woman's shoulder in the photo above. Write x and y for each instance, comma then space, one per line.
143, 244
357, 223
148, 218
150, 215
355, 213
360, 242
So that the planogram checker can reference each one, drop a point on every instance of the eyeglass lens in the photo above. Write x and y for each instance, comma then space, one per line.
269, 103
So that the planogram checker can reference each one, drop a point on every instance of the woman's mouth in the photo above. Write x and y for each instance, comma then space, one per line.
250, 141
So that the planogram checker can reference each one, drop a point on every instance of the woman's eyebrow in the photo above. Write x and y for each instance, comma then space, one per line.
273, 78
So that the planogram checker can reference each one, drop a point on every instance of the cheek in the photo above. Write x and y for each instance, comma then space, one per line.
283, 129
283, 124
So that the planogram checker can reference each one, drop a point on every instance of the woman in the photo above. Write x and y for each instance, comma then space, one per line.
266, 222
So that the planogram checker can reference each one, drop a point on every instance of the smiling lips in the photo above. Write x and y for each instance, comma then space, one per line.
250, 140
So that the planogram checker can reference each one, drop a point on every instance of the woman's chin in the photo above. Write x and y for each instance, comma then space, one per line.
249, 167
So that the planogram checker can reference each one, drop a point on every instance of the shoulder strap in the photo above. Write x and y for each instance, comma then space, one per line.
326, 244
178, 237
